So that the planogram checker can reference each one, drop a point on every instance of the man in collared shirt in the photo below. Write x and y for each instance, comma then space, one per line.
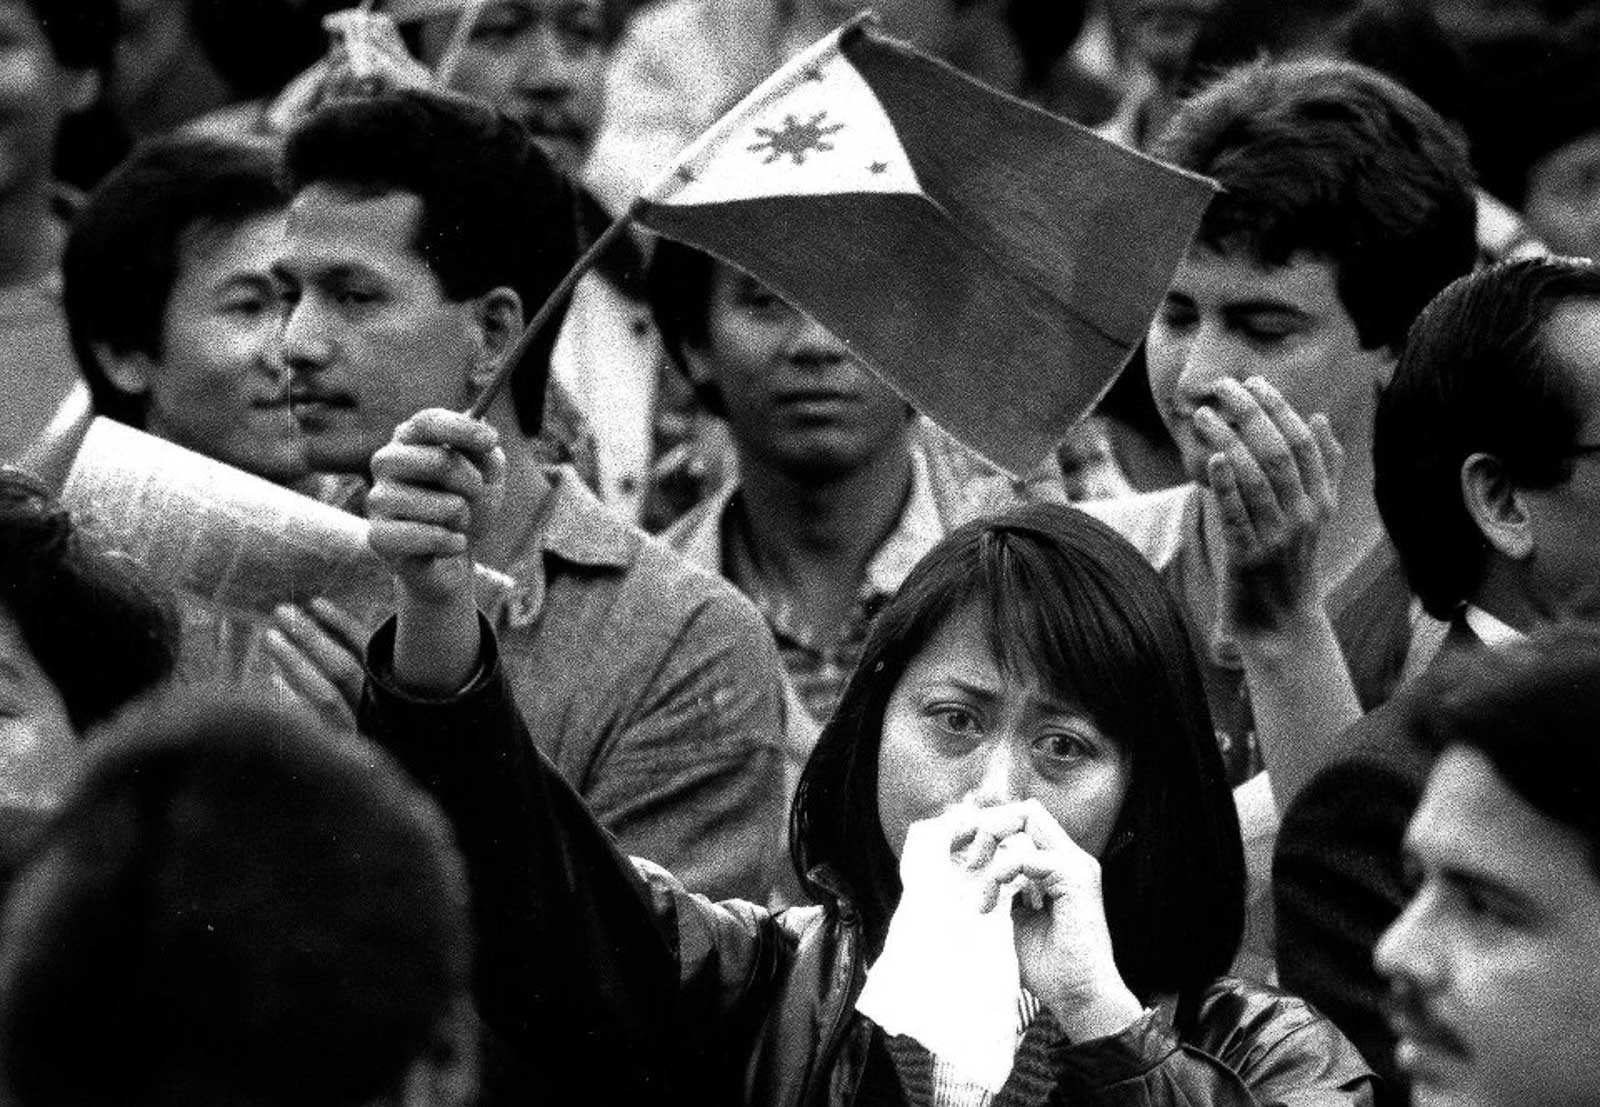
832, 505
1487, 455
420, 229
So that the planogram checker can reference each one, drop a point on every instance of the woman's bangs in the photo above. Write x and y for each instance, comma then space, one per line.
1048, 620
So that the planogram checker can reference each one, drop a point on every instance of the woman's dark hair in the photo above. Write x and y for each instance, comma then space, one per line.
94, 628
1476, 376
1064, 596
126, 247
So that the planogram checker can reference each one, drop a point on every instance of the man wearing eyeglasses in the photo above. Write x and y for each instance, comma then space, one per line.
1486, 449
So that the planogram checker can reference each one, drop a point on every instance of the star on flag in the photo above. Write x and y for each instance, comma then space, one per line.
995, 264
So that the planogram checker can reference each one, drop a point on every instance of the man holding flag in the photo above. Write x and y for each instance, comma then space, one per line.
419, 227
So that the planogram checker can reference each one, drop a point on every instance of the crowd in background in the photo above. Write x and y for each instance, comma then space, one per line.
701, 685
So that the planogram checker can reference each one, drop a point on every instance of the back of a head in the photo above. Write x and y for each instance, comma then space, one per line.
231, 908
1532, 710
495, 211
123, 254
1475, 377
1333, 161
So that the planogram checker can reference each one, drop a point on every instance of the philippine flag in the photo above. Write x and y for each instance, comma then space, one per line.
996, 264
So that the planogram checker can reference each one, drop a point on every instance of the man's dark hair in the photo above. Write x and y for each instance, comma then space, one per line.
1475, 377
1337, 162
679, 283
123, 255
99, 633
1531, 710
82, 33
495, 212
232, 907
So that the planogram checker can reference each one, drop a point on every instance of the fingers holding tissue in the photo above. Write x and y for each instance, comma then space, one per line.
995, 899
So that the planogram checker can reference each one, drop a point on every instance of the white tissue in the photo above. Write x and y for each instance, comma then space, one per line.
948, 974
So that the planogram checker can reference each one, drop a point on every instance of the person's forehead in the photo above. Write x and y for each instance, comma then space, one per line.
1470, 821
250, 243
1305, 281
326, 223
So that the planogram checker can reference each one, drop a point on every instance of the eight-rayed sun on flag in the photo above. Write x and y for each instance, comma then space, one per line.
996, 264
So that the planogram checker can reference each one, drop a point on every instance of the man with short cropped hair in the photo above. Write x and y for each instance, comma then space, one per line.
171, 302
421, 229
1487, 453
1494, 964
1345, 204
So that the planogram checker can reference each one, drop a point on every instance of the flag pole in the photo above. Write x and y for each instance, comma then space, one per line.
551, 304
457, 46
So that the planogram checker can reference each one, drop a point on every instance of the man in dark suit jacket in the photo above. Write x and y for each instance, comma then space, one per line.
1486, 450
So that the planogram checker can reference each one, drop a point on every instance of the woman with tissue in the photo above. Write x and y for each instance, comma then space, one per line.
1024, 857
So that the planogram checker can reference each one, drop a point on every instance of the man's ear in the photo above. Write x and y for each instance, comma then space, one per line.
128, 372
1497, 506
497, 321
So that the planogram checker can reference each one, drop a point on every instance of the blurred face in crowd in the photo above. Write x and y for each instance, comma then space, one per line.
368, 335
1226, 316
155, 49
1563, 199
36, 93
1495, 963
795, 398
38, 745
542, 62
218, 386
959, 729
1564, 519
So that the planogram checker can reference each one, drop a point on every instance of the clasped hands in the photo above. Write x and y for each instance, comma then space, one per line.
977, 855
1275, 477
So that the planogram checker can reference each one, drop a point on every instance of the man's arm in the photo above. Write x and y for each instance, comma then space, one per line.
693, 777
1275, 480
577, 958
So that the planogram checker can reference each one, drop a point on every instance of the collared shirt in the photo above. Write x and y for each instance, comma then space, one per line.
1381, 630
816, 665
654, 688
1491, 631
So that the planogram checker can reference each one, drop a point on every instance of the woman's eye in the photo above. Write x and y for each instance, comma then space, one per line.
1064, 746
953, 720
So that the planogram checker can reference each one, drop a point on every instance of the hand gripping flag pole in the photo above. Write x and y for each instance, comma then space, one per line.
995, 264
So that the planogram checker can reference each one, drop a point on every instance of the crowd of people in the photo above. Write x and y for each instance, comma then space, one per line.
712, 726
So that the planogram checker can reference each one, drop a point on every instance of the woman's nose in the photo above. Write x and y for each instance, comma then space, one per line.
1003, 777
